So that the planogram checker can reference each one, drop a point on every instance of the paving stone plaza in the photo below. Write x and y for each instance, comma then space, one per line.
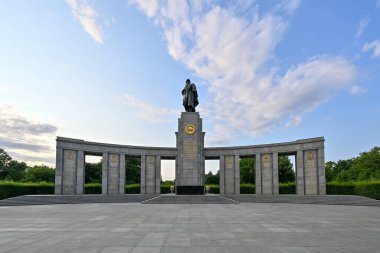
135, 227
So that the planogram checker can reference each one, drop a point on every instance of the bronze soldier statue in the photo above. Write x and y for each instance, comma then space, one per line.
190, 96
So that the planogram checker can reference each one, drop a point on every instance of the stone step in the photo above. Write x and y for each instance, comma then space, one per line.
73, 199
307, 199
190, 199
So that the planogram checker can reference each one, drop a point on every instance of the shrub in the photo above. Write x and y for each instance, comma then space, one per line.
369, 189
132, 189
287, 188
247, 189
214, 188
340, 188
39, 174
165, 188
10, 189
94, 188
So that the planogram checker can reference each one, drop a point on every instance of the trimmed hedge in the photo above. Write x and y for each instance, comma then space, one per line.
247, 189
340, 188
9, 189
287, 188
369, 189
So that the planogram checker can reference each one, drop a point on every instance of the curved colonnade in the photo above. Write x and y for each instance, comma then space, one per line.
309, 153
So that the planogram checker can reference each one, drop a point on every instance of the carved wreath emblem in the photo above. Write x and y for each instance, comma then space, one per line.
190, 129
310, 155
70, 155
266, 158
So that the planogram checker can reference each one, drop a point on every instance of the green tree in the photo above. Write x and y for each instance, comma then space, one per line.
285, 170
212, 179
133, 170
15, 170
93, 172
4, 160
40, 173
247, 170
329, 169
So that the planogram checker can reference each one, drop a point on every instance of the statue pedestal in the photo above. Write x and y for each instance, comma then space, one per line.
190, 163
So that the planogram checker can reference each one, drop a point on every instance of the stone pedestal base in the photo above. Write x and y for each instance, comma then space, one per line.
190, 190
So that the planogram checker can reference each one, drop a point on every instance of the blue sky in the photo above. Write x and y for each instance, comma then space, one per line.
112, 71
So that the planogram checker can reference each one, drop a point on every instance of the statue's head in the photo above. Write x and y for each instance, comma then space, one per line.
187, 81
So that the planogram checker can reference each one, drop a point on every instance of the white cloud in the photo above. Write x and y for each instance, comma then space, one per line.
87, 17
363, 23
26, 139
148, 111
375, 46
232, 52
358, 90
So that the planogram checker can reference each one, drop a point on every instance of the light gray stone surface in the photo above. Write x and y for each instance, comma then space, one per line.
310, 173
190, 159
190, 228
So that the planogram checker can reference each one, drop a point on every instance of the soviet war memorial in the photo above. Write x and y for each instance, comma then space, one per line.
190, 126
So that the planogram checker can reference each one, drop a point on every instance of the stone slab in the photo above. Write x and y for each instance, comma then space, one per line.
132, 227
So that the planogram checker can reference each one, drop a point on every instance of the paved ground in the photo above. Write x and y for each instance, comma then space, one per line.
246, 227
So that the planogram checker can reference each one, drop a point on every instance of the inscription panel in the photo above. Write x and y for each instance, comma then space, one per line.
69, 171
267, 167
311, 171
190, 150
150, 174
113, 174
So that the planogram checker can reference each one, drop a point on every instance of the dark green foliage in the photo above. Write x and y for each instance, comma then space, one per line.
40, 173
247, 189
4, 160
132, 189
329, 171
247, 170
14, 171
214, 188
168, 182
10, 189
366, 166
93, 188
165, 188
212, 179
93, 173
340, 188
362, 168
285, 170
369, 189
287, 188
132, 170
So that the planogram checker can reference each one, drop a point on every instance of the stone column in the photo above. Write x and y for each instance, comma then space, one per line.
321, 170
275, 173
221, 175
267, 173
300, 173
58, 171
80, 172
258, 174
113, 173
142, 184
229, 174
105, 174
69, 172
311, 172
237, 174
158, 175
122, 174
